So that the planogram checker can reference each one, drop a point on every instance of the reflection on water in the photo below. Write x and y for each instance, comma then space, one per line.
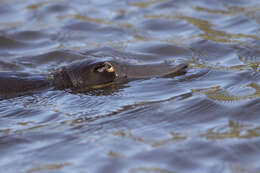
216, 93
50, 167
204, 121
154, 143
232, 130
150, 169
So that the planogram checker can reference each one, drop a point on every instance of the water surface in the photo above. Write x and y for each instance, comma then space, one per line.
205, 121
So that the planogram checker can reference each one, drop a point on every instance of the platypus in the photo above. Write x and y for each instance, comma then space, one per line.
84, 74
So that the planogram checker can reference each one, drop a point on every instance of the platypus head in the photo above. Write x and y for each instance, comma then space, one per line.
86, 74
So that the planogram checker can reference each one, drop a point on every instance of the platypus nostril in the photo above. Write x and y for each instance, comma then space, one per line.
106, 66
109, 67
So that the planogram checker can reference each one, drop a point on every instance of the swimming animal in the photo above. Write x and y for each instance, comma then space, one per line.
84, 74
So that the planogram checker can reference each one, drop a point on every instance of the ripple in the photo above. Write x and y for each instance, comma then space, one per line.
148, 125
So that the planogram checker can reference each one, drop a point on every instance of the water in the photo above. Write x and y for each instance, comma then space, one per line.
205, 121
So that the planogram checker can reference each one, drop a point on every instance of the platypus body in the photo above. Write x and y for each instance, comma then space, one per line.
83, 75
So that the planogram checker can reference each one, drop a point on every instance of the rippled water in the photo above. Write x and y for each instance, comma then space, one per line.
205, 121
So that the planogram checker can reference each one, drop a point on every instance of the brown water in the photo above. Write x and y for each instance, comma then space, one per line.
205, 121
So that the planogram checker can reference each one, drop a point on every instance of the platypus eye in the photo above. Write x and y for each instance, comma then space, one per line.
106, 66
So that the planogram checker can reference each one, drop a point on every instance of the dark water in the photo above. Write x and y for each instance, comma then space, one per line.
205, 121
